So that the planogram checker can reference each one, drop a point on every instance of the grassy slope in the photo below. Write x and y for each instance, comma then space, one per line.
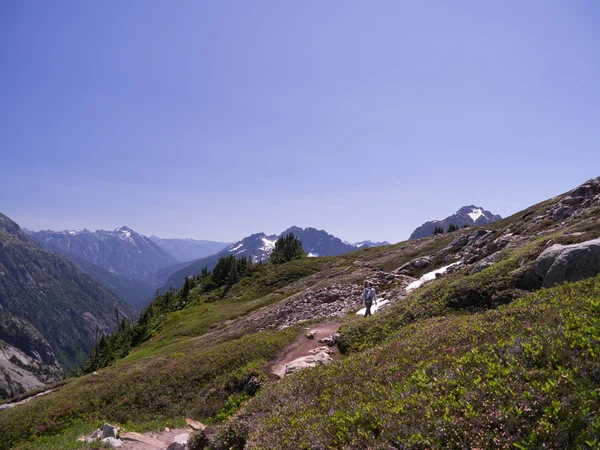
525, 374
212, 350
182, 370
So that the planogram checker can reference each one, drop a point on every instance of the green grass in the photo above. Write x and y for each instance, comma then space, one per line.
525, 375
197, 384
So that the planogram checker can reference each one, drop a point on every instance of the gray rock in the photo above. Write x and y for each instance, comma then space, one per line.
307, 361
109, 431
327, 340
460, 241
471, 238
177, 446
323, 349
96, 434
561, 263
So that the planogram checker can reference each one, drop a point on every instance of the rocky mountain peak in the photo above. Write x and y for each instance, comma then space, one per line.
470, 215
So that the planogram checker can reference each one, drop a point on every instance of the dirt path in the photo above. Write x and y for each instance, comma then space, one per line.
302, 347
166, 437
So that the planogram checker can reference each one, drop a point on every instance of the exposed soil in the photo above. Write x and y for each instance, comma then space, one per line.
302, 347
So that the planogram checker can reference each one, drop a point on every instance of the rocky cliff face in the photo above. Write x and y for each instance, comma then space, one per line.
26, 358
467, 215
49, 311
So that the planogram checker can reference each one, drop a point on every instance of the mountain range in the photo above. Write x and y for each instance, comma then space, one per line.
121, 251
467, 215
259, 246
134, 266
50, 312
485, 337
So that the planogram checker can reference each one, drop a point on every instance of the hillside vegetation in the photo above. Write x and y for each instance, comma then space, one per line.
479, 358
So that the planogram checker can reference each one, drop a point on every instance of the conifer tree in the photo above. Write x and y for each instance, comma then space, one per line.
287, 248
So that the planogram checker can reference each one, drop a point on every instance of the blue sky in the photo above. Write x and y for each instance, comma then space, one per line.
215, 120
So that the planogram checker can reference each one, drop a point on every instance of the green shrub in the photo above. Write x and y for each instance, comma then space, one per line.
527, 374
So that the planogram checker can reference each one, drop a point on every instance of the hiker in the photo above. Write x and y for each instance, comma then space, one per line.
369, 296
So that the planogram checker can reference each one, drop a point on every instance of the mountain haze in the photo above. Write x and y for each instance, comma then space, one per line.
189, 249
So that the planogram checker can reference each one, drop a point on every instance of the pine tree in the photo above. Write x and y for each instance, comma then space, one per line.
185, 290
287, 248
452, 228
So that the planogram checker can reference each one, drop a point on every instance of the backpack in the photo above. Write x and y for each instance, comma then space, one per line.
370, 295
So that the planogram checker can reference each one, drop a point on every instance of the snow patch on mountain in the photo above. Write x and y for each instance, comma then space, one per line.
476, 213
268, 243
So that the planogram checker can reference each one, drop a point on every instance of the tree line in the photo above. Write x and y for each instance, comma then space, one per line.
228, 271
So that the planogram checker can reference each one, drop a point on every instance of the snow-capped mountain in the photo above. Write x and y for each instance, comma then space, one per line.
259, 247
467, 215
121, 251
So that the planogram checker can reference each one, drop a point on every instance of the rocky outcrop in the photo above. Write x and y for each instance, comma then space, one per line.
574, 204
336, 300
561, 263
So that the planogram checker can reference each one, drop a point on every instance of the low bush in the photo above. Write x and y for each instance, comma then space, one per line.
199, 384
524, 375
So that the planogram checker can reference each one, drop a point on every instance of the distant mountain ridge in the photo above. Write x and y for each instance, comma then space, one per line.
467, 215
259, 246
121, 251
189, 249
121, 260
50, 312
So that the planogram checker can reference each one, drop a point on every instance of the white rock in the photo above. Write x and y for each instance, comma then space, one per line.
182, 438
113, 442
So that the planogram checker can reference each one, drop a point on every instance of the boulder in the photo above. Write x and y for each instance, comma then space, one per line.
109, 431
460, 241
177, 446
310, 335
561, 263
307, 361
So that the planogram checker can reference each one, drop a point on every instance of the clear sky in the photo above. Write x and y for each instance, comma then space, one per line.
214, 120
